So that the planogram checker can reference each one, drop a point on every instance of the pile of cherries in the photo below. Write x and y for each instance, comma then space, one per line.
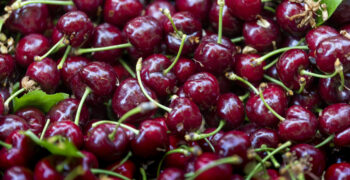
176, 89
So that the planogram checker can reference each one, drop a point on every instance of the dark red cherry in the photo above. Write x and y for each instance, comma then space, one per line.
233, 143
121, 72
127, 96
222, 171
44, 73
199, 8
184, 117
127, 169
11, 123
342, 138
18, 172
261, 34
71, 66
183, 69
30, 46
152, 74
153, 9
224, 41
300, 125
272, 71
309, 100
212, 139
176, 160
119, 12
34, 117
90, 7
7, 66
77, 26
151, 141
145, 33
231, 26
246, 67
32, 18
335, 118
231, 109
66, 129
315, 36
171, 174
339, 171
289, 65
100, 144
265, 136
330, 92
341, 16
257, 112
243, 9
45, 169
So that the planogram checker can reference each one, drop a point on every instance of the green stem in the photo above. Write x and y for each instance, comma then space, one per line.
301, 41
324, 76
302, 84
290, 92
55, 47
166, 12
65, 55
135, 131
269, 107
244, 97
270, 64
5, 145
196, 136
173, 151
138, 75
8, 100
275, 163
122, 161
110, 173
237, 39
342, 80
277, 51
44, 129
257, 167
184, 36
268, 8
143, 174
263, 1
210, 144
75, 173
232, 76
97, 49
82, 100
263, 149
127, 68
326, 141
221, 4
19, 4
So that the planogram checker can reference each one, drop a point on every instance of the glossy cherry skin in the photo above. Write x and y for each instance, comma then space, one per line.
37, 23
44, 73
203, 89
153, 10
231, 26
330, 92
199, 8
315, 36
245, 10
121, 72
284, 12
184, 117
221, 171
231, 109
342, 138
188, 24
144, 33
339, 171
11, 123
224, 41
300, 125
126, 169
233, 143
7, 66
18, 172
264, 136
77, 26
151, 141
335, 118
66, 129
98, 142
66, 110
127, 96
34, 117
309, 100
183, 69
171, 174
331, 49
289, 65
152, 74
30, 46
71, 66
90, 7
107, 35
20, 154
246, 67
257, 112
119, 12
261, 34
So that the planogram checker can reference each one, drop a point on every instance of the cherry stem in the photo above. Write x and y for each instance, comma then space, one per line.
342, 80
135, 131
232, 76
65, 55
221, 4
275, 163
277, 51
268, 8
184, 36
196, 136
18, 4
166, 13
263, 1
264, 149
228, 160
110, 173
143, 174
323, 76
122, 161
289, 91
138, 75
257, 167
270, 64
75, 173
127, 68
173, 151
302, 84
5, 145
55, 47
8, 100
244, 97
82, 100
326, 141
97, 49
237, 39
44, 129
209, 144
267, 105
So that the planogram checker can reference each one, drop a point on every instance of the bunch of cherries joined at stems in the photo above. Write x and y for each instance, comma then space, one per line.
174, 89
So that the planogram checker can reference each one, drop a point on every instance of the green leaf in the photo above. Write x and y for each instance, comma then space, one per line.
38, 99
331, 7
56, 145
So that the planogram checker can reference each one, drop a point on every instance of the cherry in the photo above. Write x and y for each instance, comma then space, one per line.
119, 12
309, 100
338, 171
245, 67
66, 129
261, 34
245, 10
335, 118
153, 10
233, 143
177, 157
330, 91
77, 26
315, 36
341, 15
144, 33
342, 138
7, 66
122, 72
98, 142
171, 174
90, 7
11, 123
18, 172
30, 46
32, 18
212, 139
222, 171
126, 169
34, 117
183, 69
264, 136
107, 35
231, 109
199, 8
71, 66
